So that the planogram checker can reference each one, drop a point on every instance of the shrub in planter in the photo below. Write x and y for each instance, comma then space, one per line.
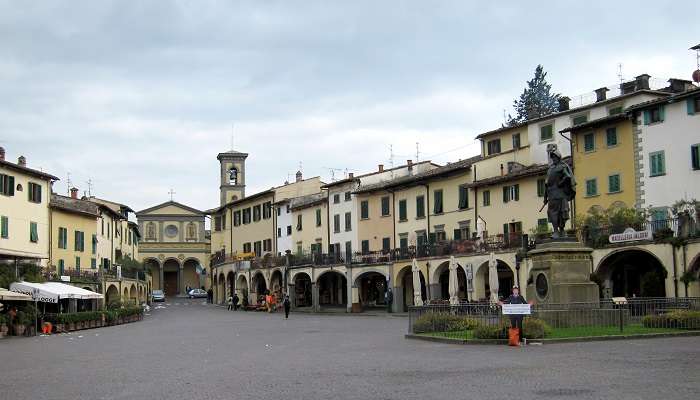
441, 322
498, 331
534, 328
673, 319
3, 326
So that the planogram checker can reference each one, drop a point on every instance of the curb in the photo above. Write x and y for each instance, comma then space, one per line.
551, 341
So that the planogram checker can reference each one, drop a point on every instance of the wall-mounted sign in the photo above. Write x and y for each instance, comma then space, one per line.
630, 235
65, 278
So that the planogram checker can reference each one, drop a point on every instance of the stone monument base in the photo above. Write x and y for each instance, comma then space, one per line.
561, 272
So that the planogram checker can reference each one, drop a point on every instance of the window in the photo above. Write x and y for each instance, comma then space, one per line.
267, 210
611, 137
385, 206
695, 155
103, 226
440, 236
546, 132
615, 110
591, 187
437, 206
540, 187
299, 226
386, 244
463, 198
348, 250
246, 247
267, 245
77, 264
246, 215
336, 198
657, 163
402, 210
403, 242
579, 119
289, 230
493, 146
516, 140
79, 241
34, 192
217, 223
256, 213
237, 218
318, 217
348, 222
61, 267
33, 232
336, 223
589, 142
511, 193
365, 246
4, 229
279, 232
653, 115
420, 206
542, 222
462, 233
694, 106
347, 196
7, 185
614, 183
288, 208
62, 238
257, 248
94, 244
93, 263
364, 209
486, 197
279, 211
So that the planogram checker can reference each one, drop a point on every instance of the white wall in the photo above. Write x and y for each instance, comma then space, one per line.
284, 219
674, 136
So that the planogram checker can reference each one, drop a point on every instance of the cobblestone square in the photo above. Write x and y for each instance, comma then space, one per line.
185, 349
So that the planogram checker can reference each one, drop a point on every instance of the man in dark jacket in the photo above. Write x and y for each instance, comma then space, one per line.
516, 320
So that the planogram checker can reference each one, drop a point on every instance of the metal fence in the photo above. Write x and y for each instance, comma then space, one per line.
637, 315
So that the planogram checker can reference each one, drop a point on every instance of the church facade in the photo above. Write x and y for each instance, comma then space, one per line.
175, 247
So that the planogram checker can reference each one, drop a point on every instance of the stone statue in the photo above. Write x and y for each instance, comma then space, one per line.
559, 190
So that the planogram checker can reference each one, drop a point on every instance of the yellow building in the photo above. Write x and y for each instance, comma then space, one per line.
24, 212
603, 162
375, 226
73, 235
309, 223
117, 238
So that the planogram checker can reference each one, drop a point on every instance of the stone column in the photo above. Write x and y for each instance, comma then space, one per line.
292, 296
350, 290
314, 296
398, 299
161, 284
181, 280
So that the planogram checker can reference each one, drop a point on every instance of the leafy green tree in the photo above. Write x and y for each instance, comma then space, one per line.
537, 99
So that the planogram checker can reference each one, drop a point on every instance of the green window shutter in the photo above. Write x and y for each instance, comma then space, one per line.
505, 231
33, 232
402, 210
457, 234
661, 113
517, 192
93, 263
12, 186
61, 267
647, 117
432, 238
76, 237
77, 263
505, 194
4, 229
94, 244
695, 156
690, 104
614, 183
540, 188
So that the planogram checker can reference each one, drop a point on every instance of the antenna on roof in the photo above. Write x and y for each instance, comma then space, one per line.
619, 73
68, 183
232, 126
89, 183
417, 152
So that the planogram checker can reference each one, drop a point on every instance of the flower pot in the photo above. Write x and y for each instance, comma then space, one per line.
60, 328
19, 329
3, 330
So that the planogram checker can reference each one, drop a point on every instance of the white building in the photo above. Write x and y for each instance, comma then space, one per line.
668, 149
284, 226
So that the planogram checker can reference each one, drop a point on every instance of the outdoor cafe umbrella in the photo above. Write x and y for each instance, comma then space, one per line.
493, 278
453, 284
417, 298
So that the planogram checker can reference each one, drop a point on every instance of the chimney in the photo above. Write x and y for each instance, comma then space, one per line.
381, 167
642, 82
298, 176
409, 162
680, 85
600, 94
351, 175
22, 161
564, 103
2, 153
74, 193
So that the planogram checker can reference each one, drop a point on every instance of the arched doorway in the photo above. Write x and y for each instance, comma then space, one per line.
242, 287
443, 274
692, 289
171, 273
276, 283
633, 272
482, 287
125, 297
112, 295
221, 289
303, 296
371, 287
132, 295
332, 290
152, 265
259, 287
405, 276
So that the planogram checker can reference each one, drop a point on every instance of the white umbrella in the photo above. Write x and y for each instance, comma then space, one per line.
493, 277
417, 297
453, 284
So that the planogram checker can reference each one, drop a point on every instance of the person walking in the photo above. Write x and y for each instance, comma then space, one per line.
388, 299
230, 303
210, 296
287, 305
235, 301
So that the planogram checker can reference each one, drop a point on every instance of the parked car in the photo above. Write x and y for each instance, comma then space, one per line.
197, 293
157, 295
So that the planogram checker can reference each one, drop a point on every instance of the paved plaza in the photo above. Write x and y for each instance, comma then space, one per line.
189, 350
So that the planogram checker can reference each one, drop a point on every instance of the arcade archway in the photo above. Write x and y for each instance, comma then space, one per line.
332, 289
303, 296
405, 276
632, 272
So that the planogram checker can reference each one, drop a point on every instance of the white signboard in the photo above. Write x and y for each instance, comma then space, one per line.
65, 278
516, 309
630, 235
119, 272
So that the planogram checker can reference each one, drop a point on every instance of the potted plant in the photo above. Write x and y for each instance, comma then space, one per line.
60, 327
19, 326
3, 326
70, 318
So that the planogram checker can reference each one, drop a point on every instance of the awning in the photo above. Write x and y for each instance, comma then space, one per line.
7, 295
51, 292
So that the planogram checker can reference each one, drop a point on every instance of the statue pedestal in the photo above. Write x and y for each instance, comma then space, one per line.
560, 273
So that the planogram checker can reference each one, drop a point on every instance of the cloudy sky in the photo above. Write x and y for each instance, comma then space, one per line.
139, 97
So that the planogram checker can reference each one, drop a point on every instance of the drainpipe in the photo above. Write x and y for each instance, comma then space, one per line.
393, 218
328, 221
476, 199
427, 211
274, 225
50, 237
685, 266
675, 280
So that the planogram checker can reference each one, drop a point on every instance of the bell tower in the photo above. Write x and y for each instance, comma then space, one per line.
232, 174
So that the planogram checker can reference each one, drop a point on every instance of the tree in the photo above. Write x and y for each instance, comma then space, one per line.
536, 101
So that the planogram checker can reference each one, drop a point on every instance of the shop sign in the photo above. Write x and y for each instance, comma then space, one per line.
630, 235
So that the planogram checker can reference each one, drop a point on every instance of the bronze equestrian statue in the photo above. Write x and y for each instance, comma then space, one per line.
559, 191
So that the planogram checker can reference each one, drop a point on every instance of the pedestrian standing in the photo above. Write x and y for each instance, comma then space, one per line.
388, 299
235, 301
516, 320
230, 303
210, 296
287, 306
